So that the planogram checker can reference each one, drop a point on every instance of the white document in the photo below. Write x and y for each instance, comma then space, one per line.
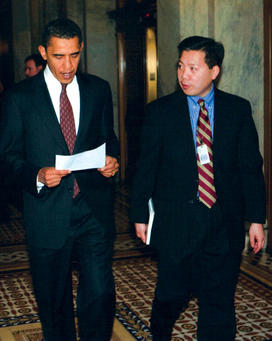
94, 158
150, 220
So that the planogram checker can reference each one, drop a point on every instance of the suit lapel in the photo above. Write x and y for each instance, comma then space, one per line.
47, 113
49, 118
86, 105
219, 121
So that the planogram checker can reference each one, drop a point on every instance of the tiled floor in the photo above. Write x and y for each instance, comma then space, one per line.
135, 280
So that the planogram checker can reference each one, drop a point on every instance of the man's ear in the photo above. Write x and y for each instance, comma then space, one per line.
42, 51
216, 71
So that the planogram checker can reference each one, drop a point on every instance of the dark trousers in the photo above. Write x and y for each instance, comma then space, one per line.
52, 281
210, 273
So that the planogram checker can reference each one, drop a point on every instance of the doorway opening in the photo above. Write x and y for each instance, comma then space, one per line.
137, 74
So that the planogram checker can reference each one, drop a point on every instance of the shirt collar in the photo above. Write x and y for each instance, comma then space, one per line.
208, 99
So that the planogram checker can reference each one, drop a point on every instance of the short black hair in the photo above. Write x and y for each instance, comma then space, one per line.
214, 51
61, 28
38, 60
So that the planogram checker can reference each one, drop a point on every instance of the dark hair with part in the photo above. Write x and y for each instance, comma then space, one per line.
61, 28
38, 60
214, 51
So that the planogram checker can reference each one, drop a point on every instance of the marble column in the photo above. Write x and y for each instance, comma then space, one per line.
168, 36
21, 44
101, 50
241, 32
75, 10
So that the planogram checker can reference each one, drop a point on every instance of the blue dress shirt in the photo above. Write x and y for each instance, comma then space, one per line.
194, 109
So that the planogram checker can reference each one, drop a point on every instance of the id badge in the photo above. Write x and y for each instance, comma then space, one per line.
203, 154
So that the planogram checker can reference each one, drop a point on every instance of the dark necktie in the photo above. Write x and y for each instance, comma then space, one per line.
206, 188
67, 124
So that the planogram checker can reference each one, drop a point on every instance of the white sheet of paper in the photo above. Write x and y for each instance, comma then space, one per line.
94, 158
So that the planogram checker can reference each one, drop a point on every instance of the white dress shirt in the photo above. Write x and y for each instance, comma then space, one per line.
72, 89
54, 88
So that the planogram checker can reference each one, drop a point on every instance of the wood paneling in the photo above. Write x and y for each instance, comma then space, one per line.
132, 18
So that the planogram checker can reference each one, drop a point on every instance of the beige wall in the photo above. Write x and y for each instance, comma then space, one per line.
232, 22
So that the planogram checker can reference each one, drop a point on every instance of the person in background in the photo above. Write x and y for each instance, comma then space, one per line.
201, 165
34, 64
68, 214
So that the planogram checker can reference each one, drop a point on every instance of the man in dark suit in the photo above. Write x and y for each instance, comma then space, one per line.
67, 214
204, 174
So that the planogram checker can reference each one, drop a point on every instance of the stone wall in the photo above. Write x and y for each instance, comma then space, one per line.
101, 48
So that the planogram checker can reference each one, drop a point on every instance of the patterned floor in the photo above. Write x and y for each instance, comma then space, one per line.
33, 332
135, 276
12, 231
135, 281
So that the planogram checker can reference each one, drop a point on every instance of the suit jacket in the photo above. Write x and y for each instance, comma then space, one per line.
30, 139
167, 169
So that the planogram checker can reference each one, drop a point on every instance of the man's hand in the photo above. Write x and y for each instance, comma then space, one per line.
141, 231
110, 168
51, 177
256, 236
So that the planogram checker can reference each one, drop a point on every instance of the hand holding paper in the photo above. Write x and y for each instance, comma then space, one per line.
50, 176
111, 167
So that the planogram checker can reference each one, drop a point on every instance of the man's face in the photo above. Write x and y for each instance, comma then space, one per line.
62, 57
31, 69
194, 76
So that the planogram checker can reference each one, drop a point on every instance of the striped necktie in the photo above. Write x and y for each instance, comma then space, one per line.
206, 189
67, 124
